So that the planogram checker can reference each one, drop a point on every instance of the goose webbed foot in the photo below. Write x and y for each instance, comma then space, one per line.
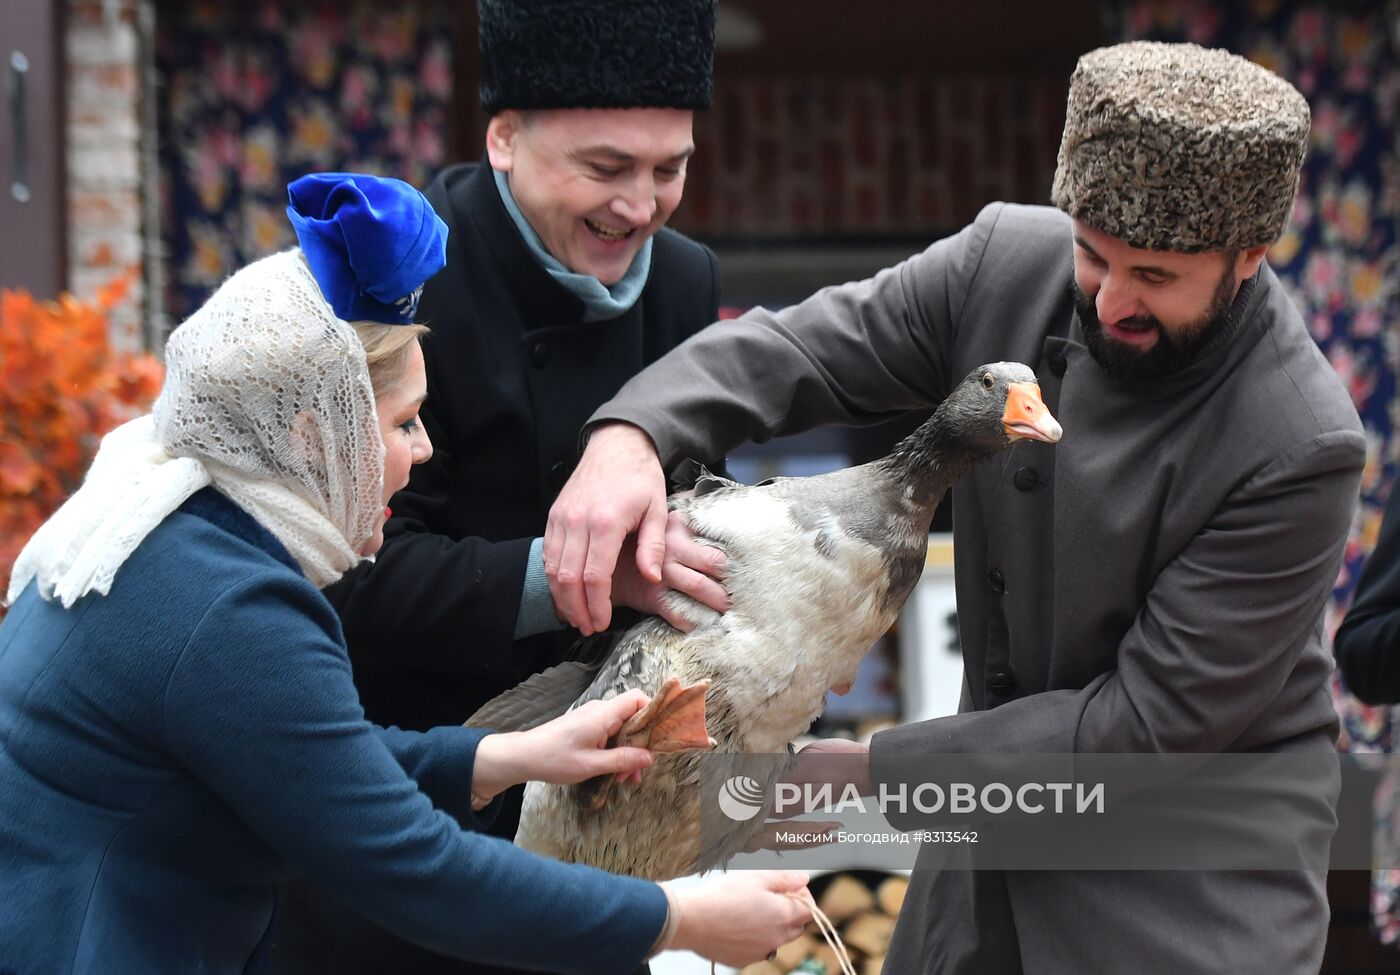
672, 721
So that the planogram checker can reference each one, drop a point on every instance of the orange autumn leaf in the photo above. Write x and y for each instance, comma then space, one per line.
62, 387
19, 474
139, 380
115, 291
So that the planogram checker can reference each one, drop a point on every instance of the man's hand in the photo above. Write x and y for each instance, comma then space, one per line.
834, 762
617, 489
688, 567
816, 765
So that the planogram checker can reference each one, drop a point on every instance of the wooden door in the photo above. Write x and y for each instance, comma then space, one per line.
32, 178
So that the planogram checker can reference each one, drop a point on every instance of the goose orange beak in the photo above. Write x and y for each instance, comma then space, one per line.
1025, 416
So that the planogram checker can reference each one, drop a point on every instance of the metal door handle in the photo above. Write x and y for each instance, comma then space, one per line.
19, 128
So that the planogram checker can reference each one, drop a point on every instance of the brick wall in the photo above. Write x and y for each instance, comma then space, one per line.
868, 158
105, 172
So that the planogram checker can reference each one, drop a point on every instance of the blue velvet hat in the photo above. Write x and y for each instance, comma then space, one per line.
371, 243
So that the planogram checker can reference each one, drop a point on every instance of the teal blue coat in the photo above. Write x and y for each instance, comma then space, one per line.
171, 752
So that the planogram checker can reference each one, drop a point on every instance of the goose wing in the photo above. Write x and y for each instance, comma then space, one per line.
636, 659
550, 693
600, 666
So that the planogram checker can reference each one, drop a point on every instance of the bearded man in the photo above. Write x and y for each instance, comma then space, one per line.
1155, 583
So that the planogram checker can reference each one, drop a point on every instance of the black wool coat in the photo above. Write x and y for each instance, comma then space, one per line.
1367, 644
513, 374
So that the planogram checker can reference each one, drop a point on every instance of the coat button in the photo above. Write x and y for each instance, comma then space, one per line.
1002, 682
996, 580
539, 354
559, 475
1058, 362
1026, 478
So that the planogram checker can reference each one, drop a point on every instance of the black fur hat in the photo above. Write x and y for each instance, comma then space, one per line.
596, 54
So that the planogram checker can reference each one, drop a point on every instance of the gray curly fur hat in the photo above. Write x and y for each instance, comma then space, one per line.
540, 54
1176, 147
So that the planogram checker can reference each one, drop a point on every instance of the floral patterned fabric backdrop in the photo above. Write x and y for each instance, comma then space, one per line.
1340, 257
258, 93
253, 95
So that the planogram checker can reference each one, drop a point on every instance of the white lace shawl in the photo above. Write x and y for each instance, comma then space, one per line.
267, 397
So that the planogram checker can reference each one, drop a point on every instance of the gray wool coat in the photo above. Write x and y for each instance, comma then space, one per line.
1153, 583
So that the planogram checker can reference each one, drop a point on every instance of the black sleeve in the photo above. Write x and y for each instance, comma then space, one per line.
399, 611
1368, 641
435, 598
432, 601
429, 601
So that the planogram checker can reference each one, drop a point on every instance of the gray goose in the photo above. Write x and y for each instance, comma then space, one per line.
817, 569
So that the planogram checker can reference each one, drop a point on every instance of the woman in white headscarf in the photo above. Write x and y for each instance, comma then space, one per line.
179, 732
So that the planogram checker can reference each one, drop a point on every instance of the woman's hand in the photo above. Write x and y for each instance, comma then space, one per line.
739, 918
571, 748
574, 746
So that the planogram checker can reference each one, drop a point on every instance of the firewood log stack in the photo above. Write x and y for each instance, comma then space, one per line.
863, 909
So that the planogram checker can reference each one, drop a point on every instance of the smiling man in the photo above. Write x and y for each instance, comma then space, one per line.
593, 186
1155, 582
1137, 292
562, 282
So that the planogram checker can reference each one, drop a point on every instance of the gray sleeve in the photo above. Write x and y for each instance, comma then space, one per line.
1218, 641
850, 354
536, 602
